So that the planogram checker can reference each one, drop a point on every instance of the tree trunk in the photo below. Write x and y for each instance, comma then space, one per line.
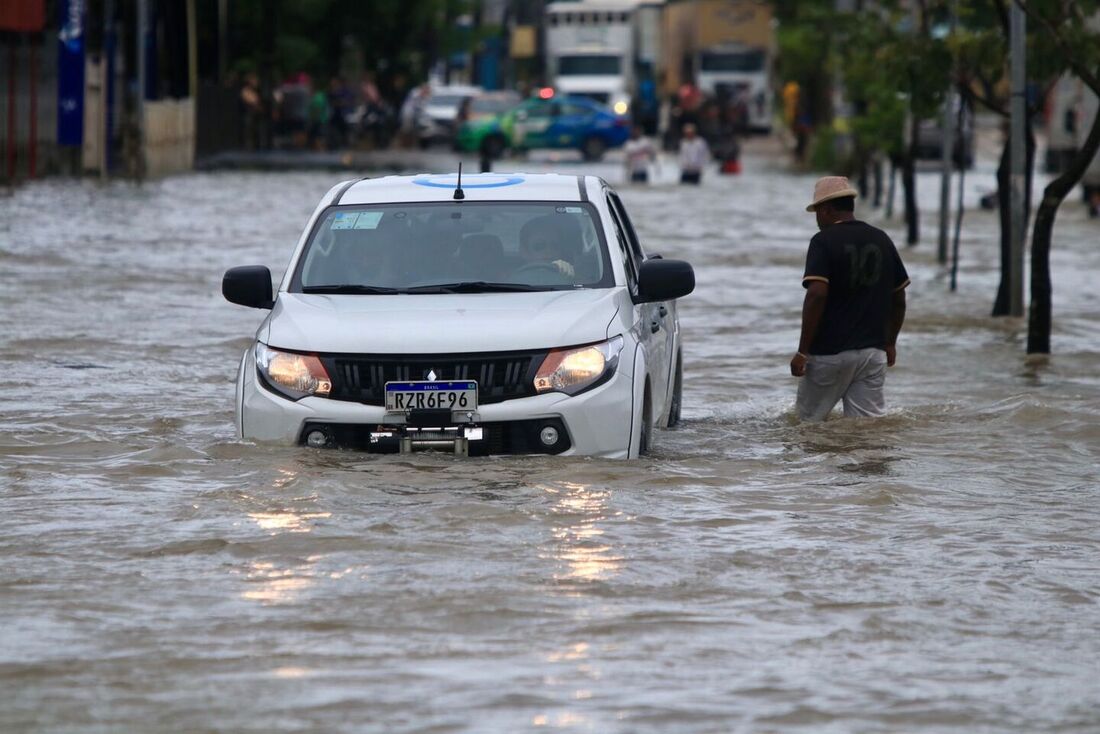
270, 29
877, 170
909, 186
1004, 210
1039, 313
1000, 303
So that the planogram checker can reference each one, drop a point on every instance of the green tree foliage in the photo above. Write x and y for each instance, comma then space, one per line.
398, 39
1072, 29
892, 69
805, 40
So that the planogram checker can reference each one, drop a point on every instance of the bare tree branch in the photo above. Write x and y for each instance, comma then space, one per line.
1088, 76
967, 91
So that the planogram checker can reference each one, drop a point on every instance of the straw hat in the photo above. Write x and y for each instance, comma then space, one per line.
828, 188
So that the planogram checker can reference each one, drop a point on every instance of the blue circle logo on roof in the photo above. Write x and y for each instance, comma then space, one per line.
475, 181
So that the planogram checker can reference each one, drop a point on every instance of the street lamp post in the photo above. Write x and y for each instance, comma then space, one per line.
1017, 158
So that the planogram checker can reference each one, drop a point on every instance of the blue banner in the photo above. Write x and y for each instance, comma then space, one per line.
70, 72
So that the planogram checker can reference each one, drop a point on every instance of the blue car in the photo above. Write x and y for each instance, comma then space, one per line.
555, 122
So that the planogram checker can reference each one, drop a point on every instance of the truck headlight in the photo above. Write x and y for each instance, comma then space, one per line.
576, 369
293, 375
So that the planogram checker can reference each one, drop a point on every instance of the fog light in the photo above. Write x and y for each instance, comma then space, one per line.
316, 439
548, 436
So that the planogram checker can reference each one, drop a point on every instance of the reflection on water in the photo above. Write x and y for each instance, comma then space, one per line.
577, 651
287, 520
579, 539
290, 672
269, 583
563, 720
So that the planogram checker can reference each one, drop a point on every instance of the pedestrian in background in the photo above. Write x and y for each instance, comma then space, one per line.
1091, 183
411, 112
853, 310
639, 152
319, 113
340, 103
253, 107
694, 156
791, 92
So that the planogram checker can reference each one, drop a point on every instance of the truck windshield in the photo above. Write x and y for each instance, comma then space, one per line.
589, 65
463, 247
746, 61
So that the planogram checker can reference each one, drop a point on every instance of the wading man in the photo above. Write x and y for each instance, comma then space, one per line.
854, 308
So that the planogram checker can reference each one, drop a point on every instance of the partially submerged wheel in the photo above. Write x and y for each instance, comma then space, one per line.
645, 440
677, 392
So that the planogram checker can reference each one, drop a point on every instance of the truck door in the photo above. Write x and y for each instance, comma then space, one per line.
652, 320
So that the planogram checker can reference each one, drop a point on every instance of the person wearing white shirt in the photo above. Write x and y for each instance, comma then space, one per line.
639, 153
694, 156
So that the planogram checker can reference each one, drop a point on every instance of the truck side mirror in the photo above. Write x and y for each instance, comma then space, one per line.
664, 280
249, 285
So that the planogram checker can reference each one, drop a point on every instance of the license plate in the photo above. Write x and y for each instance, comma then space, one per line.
403, 396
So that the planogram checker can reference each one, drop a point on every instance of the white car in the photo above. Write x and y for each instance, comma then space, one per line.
437, 121
517, 314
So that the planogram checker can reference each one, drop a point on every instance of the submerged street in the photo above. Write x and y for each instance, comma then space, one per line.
931, 571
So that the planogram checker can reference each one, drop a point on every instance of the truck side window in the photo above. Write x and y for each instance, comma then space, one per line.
624, 250
628, 227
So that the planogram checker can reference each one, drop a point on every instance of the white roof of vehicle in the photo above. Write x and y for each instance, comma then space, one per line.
565, 6
440, 187
455, 90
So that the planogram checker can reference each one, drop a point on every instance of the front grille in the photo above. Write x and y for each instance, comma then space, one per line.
500, 376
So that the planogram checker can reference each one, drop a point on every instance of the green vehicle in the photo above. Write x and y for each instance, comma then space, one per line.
555, 122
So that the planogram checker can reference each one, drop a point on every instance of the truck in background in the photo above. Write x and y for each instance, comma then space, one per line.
727, 49
590, 50
1070, 107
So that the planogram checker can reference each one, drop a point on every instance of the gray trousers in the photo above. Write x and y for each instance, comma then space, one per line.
856, 377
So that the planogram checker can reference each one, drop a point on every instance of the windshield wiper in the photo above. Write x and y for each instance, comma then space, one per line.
352, 288
474, 286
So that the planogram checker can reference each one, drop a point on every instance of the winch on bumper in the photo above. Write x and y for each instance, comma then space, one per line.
541, 436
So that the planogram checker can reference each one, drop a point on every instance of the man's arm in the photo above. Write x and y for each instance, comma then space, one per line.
813, 307
897, 318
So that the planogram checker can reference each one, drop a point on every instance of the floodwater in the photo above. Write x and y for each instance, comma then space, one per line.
932, 571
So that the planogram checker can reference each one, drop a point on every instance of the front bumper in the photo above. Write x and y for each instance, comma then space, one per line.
595, 423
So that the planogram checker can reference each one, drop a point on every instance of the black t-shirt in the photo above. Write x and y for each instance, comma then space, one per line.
863, 270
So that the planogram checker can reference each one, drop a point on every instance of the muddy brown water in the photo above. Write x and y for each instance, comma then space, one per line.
932, 571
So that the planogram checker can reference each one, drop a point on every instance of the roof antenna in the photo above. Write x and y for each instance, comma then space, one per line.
459, 196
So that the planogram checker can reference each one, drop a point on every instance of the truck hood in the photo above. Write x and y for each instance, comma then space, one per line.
439, 324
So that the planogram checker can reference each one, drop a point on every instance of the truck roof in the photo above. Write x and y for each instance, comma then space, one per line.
581, 6
440, 187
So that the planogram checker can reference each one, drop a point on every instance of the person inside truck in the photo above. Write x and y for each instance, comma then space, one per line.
547, 242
